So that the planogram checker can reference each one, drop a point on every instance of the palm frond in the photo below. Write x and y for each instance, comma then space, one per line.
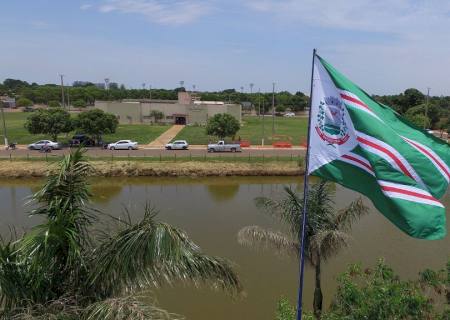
125, 308
327, 243
14, 278
54, 250
288, 210
151, 253
345, 217
64, 308
267, 239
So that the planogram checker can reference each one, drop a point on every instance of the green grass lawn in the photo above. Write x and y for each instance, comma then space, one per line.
142, 133
252, 130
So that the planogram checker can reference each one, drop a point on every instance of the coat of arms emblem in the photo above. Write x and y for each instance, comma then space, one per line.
331, 125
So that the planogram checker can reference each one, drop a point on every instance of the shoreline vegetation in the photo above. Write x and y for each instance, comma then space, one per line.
164, 168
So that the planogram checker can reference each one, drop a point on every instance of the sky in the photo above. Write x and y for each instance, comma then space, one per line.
383, 46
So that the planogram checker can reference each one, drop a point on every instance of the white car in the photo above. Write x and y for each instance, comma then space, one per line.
41, 143
178, 145
123, 145
289, 114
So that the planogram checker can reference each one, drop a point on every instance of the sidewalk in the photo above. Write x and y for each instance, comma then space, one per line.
204, 146
166, 136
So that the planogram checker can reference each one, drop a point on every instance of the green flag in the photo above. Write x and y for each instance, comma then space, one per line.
368, 147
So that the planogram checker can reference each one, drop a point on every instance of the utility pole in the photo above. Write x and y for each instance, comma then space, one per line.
62, 90
150, 88
68, 98
426, 109
4, 127
273, 109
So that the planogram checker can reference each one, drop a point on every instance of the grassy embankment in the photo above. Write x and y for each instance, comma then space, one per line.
252, 130
142, 133
165, 166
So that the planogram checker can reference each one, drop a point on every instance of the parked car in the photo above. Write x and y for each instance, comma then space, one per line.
81, 139
221, 146
123, 145
177, 145
44, 144
289, 114
28, 109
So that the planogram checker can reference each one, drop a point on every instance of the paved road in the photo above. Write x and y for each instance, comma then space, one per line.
96, 152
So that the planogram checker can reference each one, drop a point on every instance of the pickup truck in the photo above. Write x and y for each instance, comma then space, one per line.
221, 146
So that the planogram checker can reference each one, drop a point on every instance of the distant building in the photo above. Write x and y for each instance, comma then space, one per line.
186, 110
8, 102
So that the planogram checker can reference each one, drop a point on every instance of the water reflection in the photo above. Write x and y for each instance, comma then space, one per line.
212, 210
221, 192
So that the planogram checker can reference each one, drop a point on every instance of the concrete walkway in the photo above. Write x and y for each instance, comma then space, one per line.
166, 136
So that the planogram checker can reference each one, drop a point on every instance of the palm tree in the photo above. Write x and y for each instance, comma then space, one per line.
326, 229
64, 268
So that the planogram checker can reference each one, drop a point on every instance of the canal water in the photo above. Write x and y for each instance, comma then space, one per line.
211, 211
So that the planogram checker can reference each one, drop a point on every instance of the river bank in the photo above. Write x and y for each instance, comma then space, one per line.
117, 168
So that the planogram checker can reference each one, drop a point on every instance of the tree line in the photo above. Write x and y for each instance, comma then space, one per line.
82, 94
411, 103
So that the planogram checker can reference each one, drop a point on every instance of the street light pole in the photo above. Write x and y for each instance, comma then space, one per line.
62, 91
107, 88
426, 108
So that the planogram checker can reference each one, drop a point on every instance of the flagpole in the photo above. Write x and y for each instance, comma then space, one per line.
305, 199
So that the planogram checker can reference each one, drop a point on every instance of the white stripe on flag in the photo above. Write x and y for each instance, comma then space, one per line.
432, 156
409, 193
388, 153
358, 161
353, 101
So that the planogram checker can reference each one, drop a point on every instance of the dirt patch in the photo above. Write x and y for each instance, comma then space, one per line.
18, 169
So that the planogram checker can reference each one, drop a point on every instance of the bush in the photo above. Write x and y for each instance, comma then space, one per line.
79, 103
24, 102
54, 104
285, 311
157, 115
378, 294
222, 125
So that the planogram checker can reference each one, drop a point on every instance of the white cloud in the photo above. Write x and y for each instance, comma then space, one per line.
163, 12
390, 16
85, 6
384, 45
39, 24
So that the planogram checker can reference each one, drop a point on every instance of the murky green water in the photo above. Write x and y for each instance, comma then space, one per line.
212, 211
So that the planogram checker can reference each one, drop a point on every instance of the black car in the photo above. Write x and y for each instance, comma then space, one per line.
81, 139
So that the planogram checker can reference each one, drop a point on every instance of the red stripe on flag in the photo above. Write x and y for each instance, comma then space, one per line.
388, 153
358, 160
358, 102
408, 192
431, 156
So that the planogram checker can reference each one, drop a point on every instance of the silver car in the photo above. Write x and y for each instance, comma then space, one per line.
44, 143
123, 145
178, 145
